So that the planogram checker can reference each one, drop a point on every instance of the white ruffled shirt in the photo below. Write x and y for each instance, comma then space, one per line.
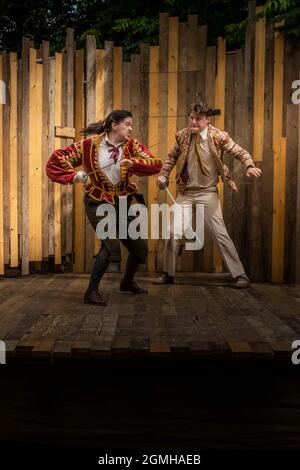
112, 172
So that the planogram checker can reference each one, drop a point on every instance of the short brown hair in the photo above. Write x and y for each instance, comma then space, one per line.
201, 108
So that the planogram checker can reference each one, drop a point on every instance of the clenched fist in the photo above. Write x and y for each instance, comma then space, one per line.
162, 182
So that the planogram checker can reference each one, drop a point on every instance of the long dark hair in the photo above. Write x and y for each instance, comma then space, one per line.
117, 115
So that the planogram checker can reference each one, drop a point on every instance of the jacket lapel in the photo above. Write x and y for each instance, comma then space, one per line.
184, 147
214, 151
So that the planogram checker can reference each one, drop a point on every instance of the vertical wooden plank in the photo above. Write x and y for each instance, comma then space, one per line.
100, 108
249, 65
135, 93
39, 162
57, 144
100, 103
70, 52
259, 87
255, 264
19, 152
134, 107
144, 110
90, 117
126, 100
279, 145
220, 83
63, 188
278, 87
45, 150
182, 105
172, 90
108, 74
109, 89
220, 120
185, 261
297, 251
13, 164
135, 97
291, 193
153, 142
6, 161
268, 158
229, 126
143, 182
247, 137
78, 266
126, 88
51, 145
2, 96
279, 209
144, 97
210, 83
291, 61
163, 106
192, 42
201, 62
200, 96
25, 157
192, 59
239, 201
35, 163
117, 78
108, 85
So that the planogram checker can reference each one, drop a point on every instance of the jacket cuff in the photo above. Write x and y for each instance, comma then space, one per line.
250, 165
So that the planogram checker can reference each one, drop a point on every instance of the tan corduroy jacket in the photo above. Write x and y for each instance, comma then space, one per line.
219, 143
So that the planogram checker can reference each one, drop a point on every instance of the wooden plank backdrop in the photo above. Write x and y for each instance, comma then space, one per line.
50, 99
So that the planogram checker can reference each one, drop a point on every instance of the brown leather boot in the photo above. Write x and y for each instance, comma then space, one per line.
94, 297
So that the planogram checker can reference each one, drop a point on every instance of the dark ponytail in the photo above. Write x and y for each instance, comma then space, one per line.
116, 116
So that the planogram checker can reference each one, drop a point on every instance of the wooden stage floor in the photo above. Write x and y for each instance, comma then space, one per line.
196, 365
201, 317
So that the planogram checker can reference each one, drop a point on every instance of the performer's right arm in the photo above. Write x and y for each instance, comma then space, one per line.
171, 160
61, 165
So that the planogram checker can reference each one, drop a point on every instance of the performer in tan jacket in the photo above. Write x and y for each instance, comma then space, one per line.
198, 154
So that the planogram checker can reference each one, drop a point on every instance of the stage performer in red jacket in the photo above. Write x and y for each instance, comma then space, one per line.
109, 156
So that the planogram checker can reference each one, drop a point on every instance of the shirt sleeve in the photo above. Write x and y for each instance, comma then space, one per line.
61, 165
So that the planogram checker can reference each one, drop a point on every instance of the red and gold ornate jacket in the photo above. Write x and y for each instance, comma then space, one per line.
62, 163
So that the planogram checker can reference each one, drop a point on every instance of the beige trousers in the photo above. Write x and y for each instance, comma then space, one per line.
213, 220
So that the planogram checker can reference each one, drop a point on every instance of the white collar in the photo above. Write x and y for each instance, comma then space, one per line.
204, 133
109, 142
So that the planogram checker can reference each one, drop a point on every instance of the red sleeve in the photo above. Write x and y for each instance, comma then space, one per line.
145, 164
61, 164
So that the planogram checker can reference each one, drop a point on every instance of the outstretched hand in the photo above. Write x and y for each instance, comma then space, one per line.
256, 172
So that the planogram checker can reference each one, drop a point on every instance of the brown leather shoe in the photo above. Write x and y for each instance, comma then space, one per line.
164, 279
241, 282
132, 288
94, 297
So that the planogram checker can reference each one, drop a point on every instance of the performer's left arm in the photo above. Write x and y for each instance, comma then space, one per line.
60, 167
228, 145
142, 162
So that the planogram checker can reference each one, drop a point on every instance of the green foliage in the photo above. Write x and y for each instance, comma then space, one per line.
130, 23
274, 11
